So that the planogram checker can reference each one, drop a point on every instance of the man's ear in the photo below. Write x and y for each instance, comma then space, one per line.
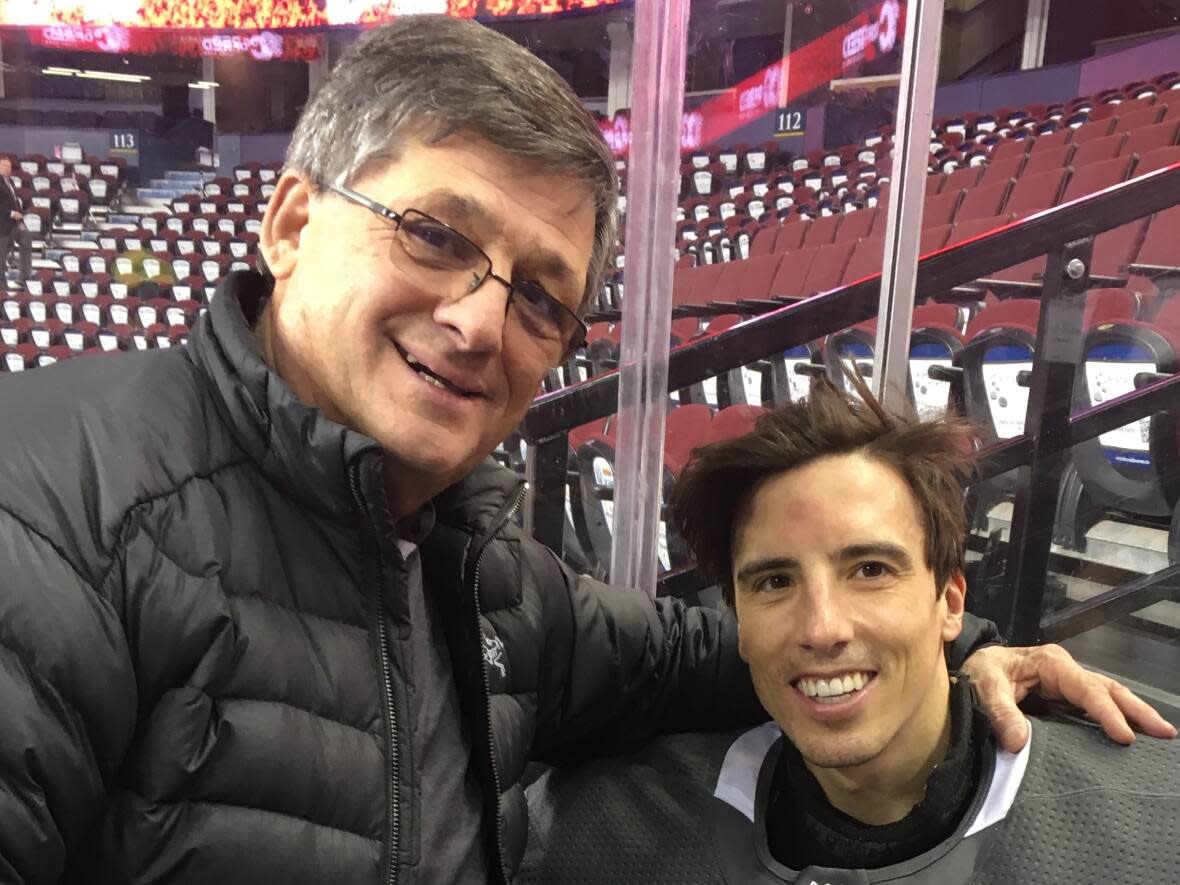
287, 213
955, 594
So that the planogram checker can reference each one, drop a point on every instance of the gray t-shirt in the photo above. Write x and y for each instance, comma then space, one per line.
449, 797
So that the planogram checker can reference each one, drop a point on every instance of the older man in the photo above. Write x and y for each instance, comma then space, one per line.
265, 611
12, 225
838, 532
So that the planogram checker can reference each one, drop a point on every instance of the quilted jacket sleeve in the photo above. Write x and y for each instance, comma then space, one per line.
621, 669
67, 703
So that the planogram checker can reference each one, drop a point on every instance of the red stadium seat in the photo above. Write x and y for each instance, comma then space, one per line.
983, 201
1096, 177
822, 231
1035, 193
1138, 119
1050, 160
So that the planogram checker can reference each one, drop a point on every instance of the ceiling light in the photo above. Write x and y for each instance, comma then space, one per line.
120, 78
60, 72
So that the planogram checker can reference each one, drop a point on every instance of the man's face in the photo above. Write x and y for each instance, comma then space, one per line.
838, 614
349, 321
5, 167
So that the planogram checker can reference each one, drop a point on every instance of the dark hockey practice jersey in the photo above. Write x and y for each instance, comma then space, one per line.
1072, 807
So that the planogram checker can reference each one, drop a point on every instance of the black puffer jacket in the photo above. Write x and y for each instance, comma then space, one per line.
194, 684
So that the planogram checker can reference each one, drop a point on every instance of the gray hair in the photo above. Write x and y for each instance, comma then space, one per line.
430, 76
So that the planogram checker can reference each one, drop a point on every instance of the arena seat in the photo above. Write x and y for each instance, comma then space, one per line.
1035, 193
19, 358
789, 280
731, 422
1138, 118
1092, 131
1149, 138
1132, 469
940, 210
1049, 160
822, 231
1099, 149
1159, 255
984, 201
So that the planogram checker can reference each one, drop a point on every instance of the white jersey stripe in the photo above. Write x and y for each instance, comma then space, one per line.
737, 783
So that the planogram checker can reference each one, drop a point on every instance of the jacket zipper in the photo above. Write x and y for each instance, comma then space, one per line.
497, 527
392, 812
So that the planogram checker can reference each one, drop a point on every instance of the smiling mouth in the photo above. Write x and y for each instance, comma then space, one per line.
430, 376
836, 689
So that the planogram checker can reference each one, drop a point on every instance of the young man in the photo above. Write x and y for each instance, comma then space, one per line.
265, 614
838, 534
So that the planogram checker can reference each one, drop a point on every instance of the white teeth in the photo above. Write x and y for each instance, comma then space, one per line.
411, 359
836, 688
432, 380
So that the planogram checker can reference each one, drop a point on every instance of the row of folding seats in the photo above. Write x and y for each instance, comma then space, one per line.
88, 342
1128, 120
127, 272
218, 204
258, 188
983, 347
58, 316
65, 298
168, 244
991, 204
1155, 150
264, 172
1042, 117
38, 164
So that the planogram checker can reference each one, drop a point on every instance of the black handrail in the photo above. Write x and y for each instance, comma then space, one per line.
807, 320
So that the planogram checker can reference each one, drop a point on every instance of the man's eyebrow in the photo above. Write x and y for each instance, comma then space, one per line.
536, 261
878, 549
457, 208
766, 564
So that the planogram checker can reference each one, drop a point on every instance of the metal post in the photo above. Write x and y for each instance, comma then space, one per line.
911, 153
318, 68
209, 95
1059, 351
545, 468
1036, 30
788, 35
618, 86
657, 81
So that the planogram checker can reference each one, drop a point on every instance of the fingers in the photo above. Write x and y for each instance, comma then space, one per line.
1141, 714
1109, 703
1098, 703
998, 700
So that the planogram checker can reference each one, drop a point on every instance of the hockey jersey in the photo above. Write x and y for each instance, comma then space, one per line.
688, 809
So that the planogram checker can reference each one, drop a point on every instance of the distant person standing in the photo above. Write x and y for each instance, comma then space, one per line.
12, 225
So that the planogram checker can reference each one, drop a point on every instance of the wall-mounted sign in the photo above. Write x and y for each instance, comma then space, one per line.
256, 15
124, 142
790, 122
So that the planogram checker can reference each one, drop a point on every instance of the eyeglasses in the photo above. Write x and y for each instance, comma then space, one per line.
438, 257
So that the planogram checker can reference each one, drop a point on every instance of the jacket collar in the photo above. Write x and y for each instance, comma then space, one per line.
480, 498
296, 446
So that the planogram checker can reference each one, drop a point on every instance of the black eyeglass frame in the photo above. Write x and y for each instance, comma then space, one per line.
579, 337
